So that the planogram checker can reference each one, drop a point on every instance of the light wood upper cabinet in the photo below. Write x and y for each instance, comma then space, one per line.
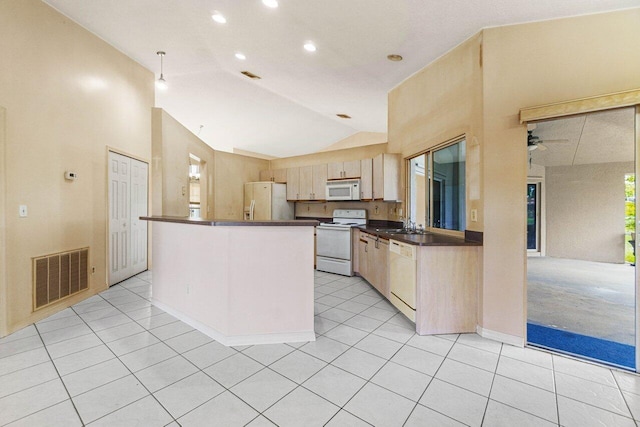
344, 170
366, 179
307, 182
274, 175
319, 182
386, 177
293, 184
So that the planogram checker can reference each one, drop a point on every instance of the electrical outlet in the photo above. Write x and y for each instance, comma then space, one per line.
474, 215
93, 270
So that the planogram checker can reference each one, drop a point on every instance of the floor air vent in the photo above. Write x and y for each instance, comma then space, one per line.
59, 275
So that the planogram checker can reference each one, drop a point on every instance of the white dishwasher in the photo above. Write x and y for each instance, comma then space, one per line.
402, 275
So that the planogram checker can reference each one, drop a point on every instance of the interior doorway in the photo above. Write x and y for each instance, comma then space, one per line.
128, 201
581, 288
195, 189
534, 220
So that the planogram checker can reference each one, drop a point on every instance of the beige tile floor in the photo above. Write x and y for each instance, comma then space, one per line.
116, 360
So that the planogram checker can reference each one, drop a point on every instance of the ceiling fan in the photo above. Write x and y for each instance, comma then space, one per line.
534, 142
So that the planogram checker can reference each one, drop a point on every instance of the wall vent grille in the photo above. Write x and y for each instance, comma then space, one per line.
60, 275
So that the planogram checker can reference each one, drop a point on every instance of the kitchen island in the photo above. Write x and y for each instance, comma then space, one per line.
239, 282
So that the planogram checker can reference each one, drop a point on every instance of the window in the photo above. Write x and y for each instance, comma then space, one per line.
437, 193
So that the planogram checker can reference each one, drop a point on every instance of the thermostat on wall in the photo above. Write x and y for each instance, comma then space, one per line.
71, 176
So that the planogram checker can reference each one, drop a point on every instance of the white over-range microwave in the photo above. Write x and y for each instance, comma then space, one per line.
343, 190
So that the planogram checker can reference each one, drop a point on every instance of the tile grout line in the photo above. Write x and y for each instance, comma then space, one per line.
59, 379
131, 373
433, 377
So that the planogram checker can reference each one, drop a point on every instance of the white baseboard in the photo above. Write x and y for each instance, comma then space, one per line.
278, 338
499, 336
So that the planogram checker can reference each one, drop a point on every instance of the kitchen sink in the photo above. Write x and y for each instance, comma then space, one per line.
397, 231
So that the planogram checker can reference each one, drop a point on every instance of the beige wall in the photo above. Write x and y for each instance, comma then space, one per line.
522, 66
439, 103
528, 65
172, 144
231, 172
68, 96
585, 211
3, 227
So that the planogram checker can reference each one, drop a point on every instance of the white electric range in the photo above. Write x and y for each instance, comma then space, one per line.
334, 241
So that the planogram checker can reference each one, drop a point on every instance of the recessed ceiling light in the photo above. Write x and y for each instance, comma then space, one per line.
394, 57
240, 56
270, 3
343, 116
217, 16
310, 47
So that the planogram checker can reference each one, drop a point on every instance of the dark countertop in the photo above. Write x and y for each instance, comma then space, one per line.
230, 223
427, 239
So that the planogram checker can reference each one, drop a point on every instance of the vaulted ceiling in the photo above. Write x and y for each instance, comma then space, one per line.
292, 109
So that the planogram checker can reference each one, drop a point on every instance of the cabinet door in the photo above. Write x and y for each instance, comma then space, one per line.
334, 171
382, 267
319, 182
293, 184
306, 183
386, 177
279, 175
351, 169
378, 177
363, 256
366, 179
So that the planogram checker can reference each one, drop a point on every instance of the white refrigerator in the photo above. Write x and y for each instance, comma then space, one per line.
266, 200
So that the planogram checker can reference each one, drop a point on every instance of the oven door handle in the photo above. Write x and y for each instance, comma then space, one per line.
320, 227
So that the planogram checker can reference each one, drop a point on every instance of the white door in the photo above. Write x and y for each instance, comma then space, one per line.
139, 202
127, 202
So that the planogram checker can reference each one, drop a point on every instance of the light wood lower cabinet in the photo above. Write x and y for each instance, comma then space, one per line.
447, 289
373, 261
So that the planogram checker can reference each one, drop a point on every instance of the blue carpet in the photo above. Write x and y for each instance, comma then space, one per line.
609, 352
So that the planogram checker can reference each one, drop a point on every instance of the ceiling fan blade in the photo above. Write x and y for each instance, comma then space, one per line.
553, 141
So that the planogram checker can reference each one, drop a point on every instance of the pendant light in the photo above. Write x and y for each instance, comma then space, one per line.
161, 83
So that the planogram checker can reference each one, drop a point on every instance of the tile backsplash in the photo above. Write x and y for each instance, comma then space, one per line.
375, 210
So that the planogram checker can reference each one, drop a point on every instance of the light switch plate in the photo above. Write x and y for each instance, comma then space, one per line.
22, 211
